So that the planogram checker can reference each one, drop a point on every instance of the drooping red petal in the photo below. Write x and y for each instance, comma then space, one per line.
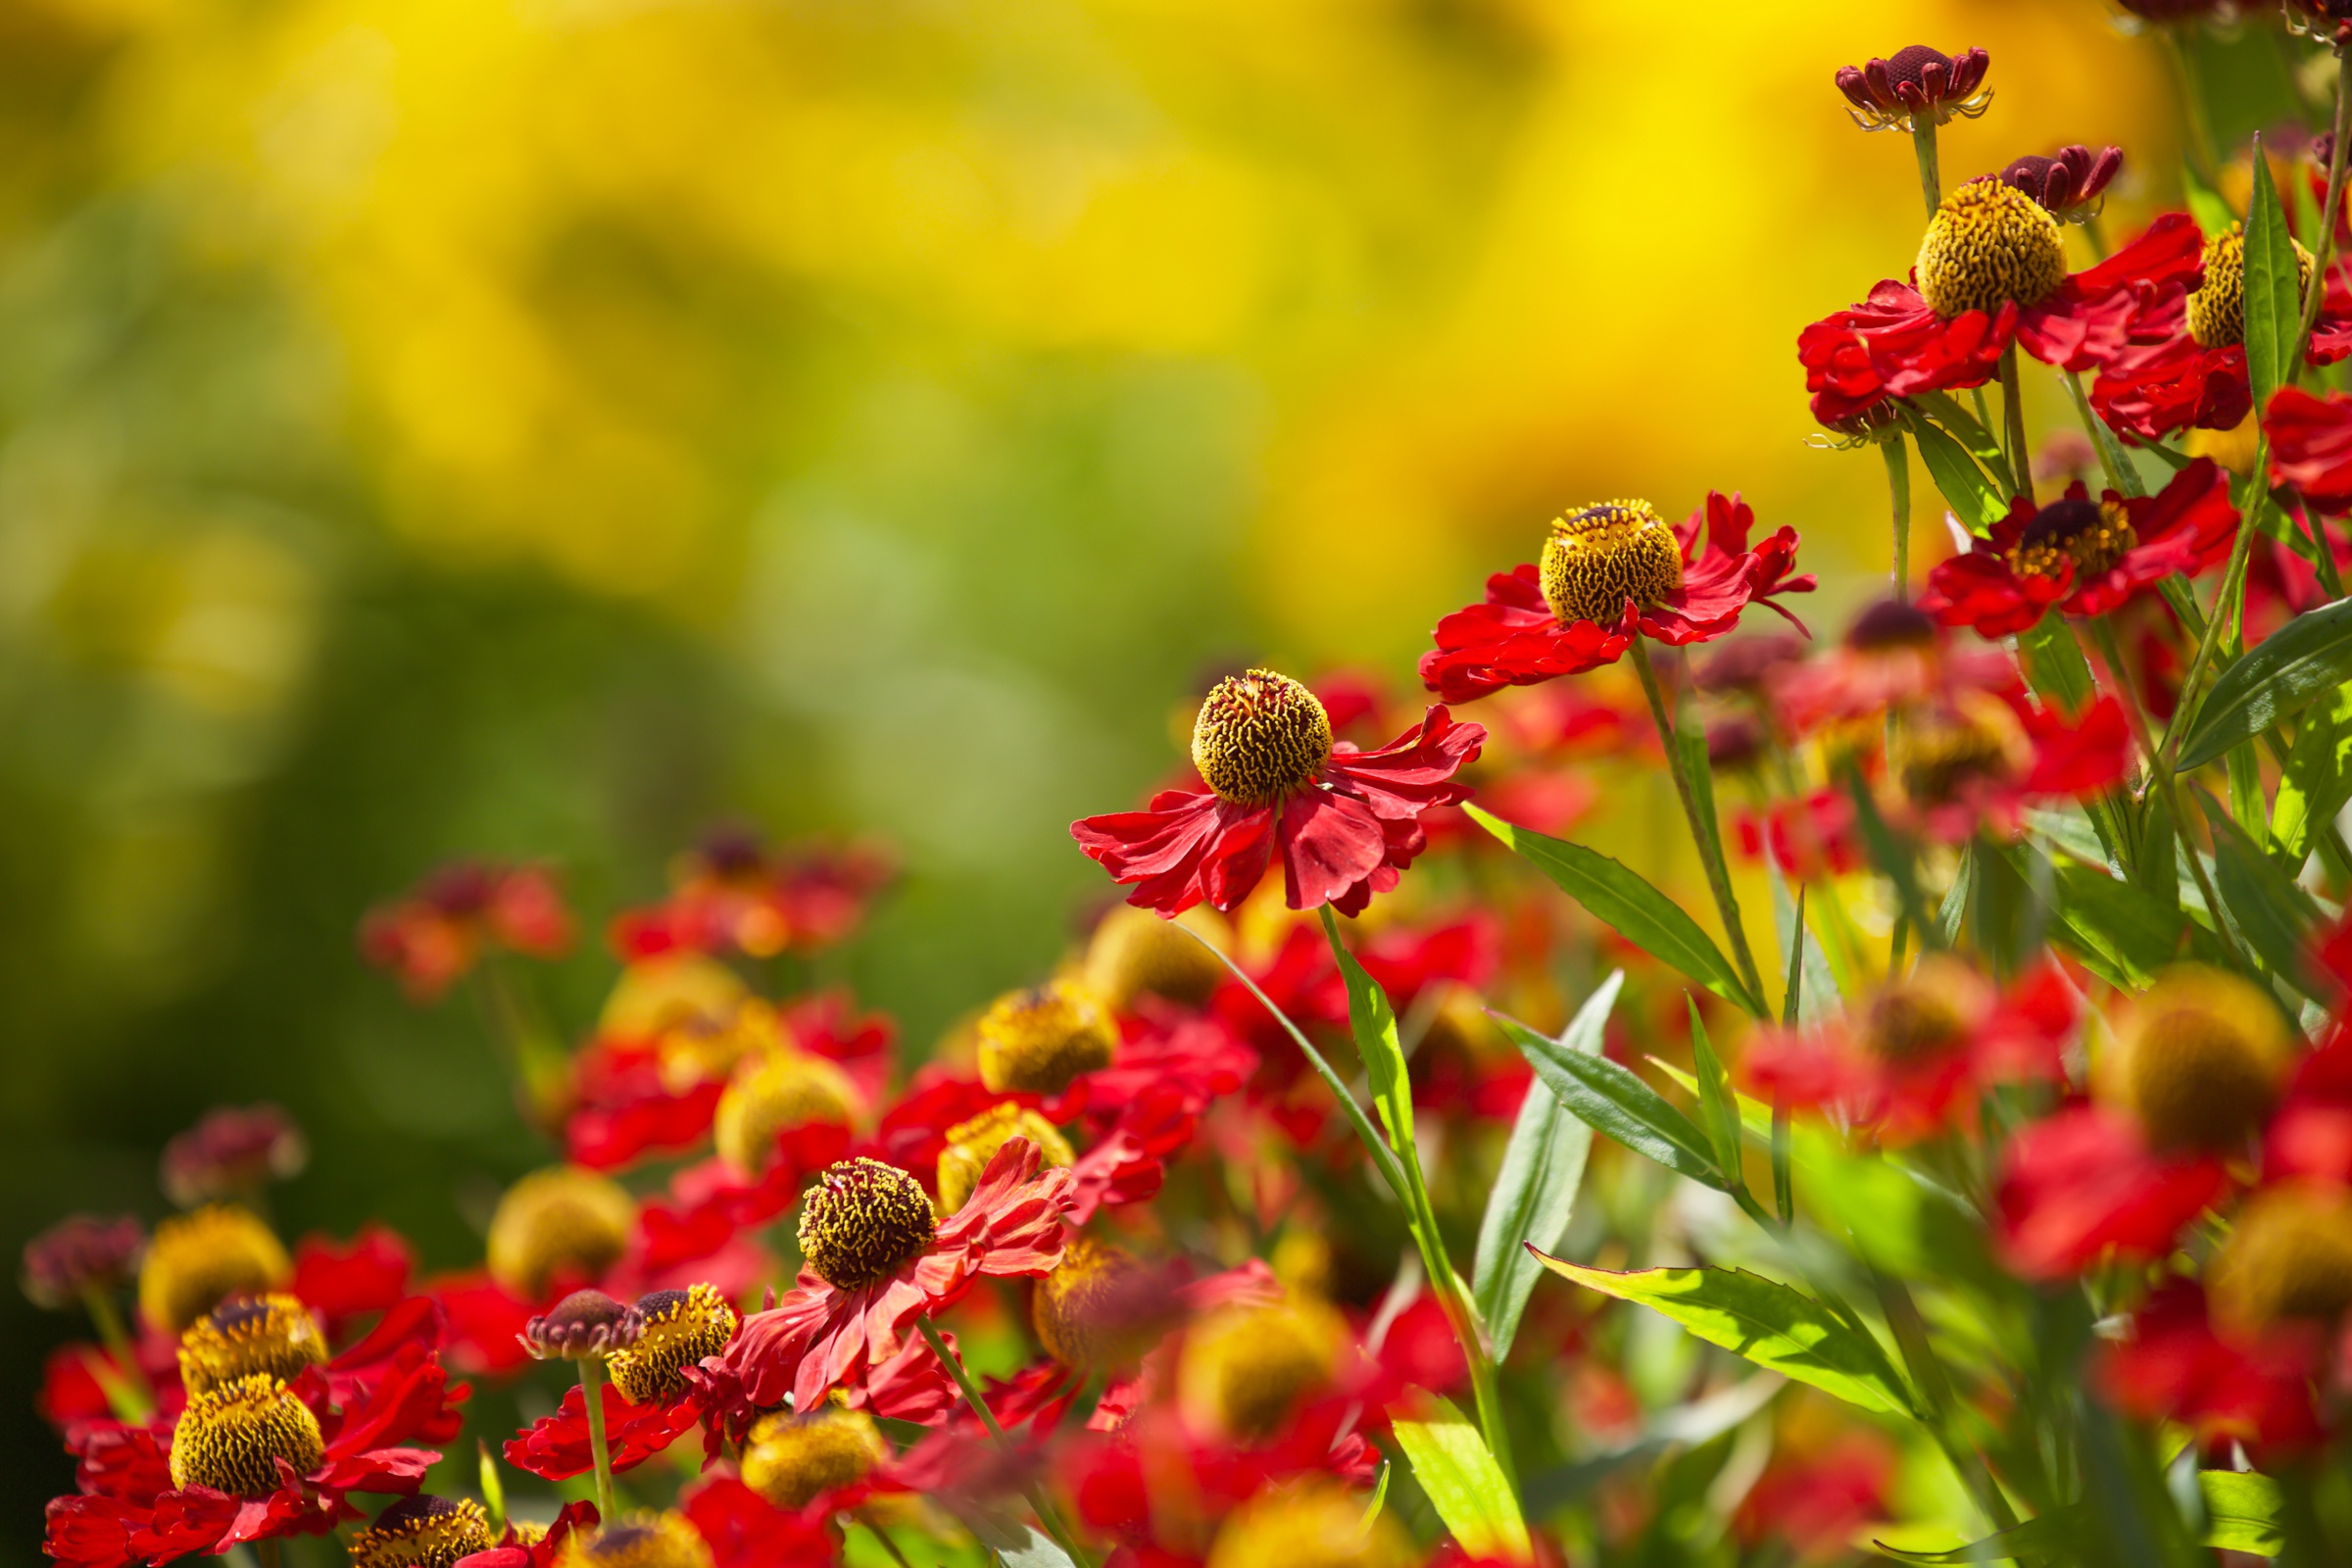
1187, 847
2083, 1185
2311, 445
555, 1448
1892, 344
1512, 639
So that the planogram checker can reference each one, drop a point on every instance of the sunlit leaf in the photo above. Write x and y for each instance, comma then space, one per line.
2274, 294
2315, 781
1611, 1099
2271, 914
1463, 1482
1977, 500
2273, 680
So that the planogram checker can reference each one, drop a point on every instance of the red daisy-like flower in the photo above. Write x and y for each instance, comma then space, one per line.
433, 938
1893, 655
2087, 558
1972, 761
2172, 1365
736, 893
1347, 821
2311, 446
1816, 1502
878, 1259
1808, 838
1991, 271
2083, 1186
345, 1283
1607, 574
512, 1550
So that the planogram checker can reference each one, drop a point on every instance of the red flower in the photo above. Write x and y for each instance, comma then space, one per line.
1897, 343
2085, 558
734, 892
1893, 655
1917, 81
2083, 1186
1808, 839
877, 1261
1975, 761
2172, 1366
2162, 379
555, 1448
744, 1529
433, 938
1347, 821
343, 1284
1816, 1503
2311, 446
511, 1552
1609, 573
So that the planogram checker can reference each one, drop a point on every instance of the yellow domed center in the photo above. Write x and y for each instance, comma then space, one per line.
971, 1145
1942, 747
2198, 1059
1245, 1368
1099, 1311
1925, 1014
639, 1540
771, 1094
1134, 950
790, 1459
562, 1221
2288, 1259
2093, 535
681, 1327
199, 1259
2217, 310
1260, 736
273, 1334
1034, 1042
861, 1220
422, 1533
1990, 245
231, 1438
1598, 556
1314, 1523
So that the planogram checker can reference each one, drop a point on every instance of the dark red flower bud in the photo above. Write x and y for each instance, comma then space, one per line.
584, 1325
233, 1154
1885, 93
80, 1253
2071, 185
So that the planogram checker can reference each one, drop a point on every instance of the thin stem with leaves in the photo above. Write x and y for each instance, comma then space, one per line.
1897, 454
1923, 148
2329, 212
1707, 841
1046, 1514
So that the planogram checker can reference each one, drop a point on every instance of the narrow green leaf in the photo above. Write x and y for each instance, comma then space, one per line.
2274, 680
1535, 1192
1373, 1022
2059, 1532
2055, 665
1380, 1497
2272, 912
1611, 1099
1977, 500
2273, 297
1762, 1320
494, 1487
1620, 899
2315, 781
1979, 443
1693, 739
1464, 1484
1951, 915
2116, 926
1715, 1107
1817, 997
1891, 857
2205, 204
2242, 1512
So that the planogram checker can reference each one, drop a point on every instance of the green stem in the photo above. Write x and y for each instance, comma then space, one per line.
2323, 247
2192, 99
134, 1396
1898, 484
2232, 582
592, 1394
1923, 146
2120, 471
874, 1529
266, 1552
1719, 881
1927, 1373
1046, 1514
2013, 409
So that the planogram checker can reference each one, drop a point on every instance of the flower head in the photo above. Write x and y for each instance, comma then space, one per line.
1990, 245
972, 1144
558, 1223
1246, 1367
273, 1333
792, 1460
585, 1326
197, 1260
676, 1330
1886, 94
772, 1093
666, 1539
234, 1437
433, 938
2288, 1259
80, 1253
1134, 952
2217, 310
1346, 827
1313, 1523
233, 1154
2198, 1062
1036, 1041
1101, 1309
2071, 185
422, 1532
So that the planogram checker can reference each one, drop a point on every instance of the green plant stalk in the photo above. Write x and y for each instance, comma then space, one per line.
874, 1528
2324, 247
1046, 1514
2192, 102
1719, 881
1898, 485
2013, 414
2120, 470
1935, 1385
1923, 147
2160, 775
266, 1552
592, 1394
2232, 585
494, 1489
129, 1390
1462, 1313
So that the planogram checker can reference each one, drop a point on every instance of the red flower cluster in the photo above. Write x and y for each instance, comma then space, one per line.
433, 937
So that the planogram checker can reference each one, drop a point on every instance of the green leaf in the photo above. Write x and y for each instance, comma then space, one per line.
1892, 858
1716, 1108
2273, 296
1762, 1320
1817, 997
2272, 912
2274, 680
2054, 664
1611, 1099
1981, 443
2242, 1512
2205, 205
1620, 899
2114, 926
1373, 1021
1975, 500
1535, 1192
2315, 781
2058, 1532
1464, 1484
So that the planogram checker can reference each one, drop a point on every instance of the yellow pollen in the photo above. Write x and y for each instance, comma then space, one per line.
1314, 1523
861, 1220
1598, 556
790, 1459
1942, 748
422, 1533
2288, 1259
273, 1334
1990, 245
1134, 952
232, 1438
1245, 1368
681, 1327
560, 1221
639, 1540
1034, 1042
2217, 311
701, 1049
1096, 1311
971, 1145
1925, 1014
657, 994
197, 1260
772, 1092
2197, 1060
2093, 535
1260, 736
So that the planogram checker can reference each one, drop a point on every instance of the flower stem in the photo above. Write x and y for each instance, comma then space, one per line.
2013, 409
128, 1390
2232, 583
592, 1394
1046, 1514
1923, 145
1898, 485
874, 1528
2192, 102
266, 1552
1719, 881
2324, 248
2119, 468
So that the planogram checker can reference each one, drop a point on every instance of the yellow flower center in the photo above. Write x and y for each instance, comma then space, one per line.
1598, 556
247, 1333
1989, 245
1097, 1311
790, 1460
703, 1047
1036, 1041
1134, 952
2217, 310
232, 1438
558, 1221
2198, 1060
681, 1327
971, 1145
1245, 1368
1922, 1014
1315, 1523
2093, 535
2290, 1258
639, 1540
422, 1533
196, 1260
1260, 736
861, 1220
769, 1093
1942, 748
665, 992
